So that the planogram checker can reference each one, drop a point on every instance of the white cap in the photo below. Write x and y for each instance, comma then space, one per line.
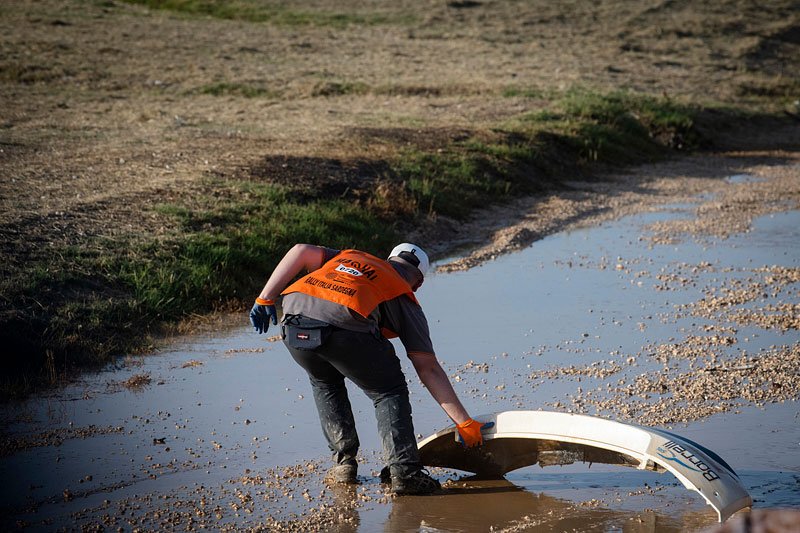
413, 254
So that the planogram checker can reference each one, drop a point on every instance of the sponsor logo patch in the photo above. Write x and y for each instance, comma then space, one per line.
675, 453
349, 270
316, 282
358, 268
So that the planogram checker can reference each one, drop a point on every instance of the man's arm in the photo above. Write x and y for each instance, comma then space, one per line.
301, 257
438, 384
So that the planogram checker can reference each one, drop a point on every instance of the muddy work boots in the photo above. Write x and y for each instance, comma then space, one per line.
345, 473
420, 482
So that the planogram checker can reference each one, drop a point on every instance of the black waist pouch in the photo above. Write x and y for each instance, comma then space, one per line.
305, 333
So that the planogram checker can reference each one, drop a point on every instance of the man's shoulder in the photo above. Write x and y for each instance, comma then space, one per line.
407, 304
329, 253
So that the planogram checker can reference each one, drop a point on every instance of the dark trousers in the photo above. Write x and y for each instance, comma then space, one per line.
372, 365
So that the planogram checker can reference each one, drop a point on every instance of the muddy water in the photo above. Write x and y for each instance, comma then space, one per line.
222, 432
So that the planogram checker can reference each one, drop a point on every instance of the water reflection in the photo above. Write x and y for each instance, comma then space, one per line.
499, 505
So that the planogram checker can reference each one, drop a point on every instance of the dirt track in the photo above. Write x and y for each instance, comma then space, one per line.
106, 107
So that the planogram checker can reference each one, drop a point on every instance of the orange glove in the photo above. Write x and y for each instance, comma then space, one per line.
469, 432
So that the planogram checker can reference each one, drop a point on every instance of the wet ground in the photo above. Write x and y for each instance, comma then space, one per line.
638, 319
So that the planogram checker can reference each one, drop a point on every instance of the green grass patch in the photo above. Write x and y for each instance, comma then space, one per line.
528, 92
582, 127
228, 249
237, 89
629, 110
470, 176
542, 116
322, 88
622, 127
29, 74
274, 12
339, 88
619, 127
774, 92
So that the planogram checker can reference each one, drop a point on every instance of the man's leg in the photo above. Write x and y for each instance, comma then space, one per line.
371, 364
333, 405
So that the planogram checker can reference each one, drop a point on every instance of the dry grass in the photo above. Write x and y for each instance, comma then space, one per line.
110, 108
112, 114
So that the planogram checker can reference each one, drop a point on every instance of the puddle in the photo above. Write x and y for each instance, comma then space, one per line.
743, 178
205, 443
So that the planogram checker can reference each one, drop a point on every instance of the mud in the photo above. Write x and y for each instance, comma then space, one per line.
650, 314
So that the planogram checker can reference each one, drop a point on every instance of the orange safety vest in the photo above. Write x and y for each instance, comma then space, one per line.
356, 280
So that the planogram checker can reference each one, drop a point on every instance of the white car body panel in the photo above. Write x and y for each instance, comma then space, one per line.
523, 438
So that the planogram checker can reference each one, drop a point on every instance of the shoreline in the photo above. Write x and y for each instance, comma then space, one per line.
507, 228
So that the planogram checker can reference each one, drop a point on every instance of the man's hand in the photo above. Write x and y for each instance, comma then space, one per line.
260, 315
469, 432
